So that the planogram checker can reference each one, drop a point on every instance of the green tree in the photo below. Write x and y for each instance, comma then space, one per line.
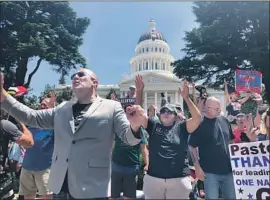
64, 95
108, 96
32, 101
230, 36
40, 30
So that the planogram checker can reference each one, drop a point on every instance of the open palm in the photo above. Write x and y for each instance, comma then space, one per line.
139, 82
185, 90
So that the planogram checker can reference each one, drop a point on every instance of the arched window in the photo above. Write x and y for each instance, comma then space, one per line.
146, 65
140, 68
156, 65
147, 49
163, 66
156, 49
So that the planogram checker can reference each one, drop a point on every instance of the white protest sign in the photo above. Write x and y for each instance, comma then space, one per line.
251, 169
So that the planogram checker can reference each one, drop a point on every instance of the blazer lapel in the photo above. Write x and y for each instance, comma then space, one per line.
90, 111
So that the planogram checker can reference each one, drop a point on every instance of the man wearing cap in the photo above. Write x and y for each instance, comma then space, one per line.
132, 91
168, 173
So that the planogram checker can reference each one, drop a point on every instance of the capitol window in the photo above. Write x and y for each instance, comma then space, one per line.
146, 65
159, 49
156, 49
163, 66
140, 67
156, 66
147, 49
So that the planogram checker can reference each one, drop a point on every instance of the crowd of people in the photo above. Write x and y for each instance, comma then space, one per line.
92, 148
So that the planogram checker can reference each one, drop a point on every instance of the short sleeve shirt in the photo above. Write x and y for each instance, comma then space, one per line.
212, 138
167, 150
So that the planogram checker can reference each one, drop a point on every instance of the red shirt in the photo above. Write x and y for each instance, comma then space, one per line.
237, 134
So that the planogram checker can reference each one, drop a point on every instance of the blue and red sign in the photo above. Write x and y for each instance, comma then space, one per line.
248, 81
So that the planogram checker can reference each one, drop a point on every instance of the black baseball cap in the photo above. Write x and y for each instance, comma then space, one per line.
169, 107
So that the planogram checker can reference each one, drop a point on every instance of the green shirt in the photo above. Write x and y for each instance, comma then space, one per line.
126, 155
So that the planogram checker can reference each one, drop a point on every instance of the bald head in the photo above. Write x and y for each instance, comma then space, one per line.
213, 109
213, 101
84, 85
91, 73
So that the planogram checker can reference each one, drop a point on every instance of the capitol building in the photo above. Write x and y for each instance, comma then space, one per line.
152, 60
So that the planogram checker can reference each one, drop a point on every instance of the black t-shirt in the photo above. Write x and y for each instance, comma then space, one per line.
212, 139
167, 150
78, 111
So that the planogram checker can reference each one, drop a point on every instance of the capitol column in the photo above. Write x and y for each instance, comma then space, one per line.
145, 100
155, 98
176, 96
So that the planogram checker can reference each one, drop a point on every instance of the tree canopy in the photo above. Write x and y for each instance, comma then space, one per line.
230, 36
46, 30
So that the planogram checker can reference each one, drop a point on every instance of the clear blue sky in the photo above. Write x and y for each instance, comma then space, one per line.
115, 28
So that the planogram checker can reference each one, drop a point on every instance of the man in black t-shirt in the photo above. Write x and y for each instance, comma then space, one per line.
212, 139
168, 174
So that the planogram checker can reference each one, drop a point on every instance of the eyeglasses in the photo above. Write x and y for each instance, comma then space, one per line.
80, 74
213, 109
166, 111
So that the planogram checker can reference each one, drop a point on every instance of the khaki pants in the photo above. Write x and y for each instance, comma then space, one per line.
173, 188
32, 182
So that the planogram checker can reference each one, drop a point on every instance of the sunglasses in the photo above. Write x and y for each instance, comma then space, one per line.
79, 74
166, 111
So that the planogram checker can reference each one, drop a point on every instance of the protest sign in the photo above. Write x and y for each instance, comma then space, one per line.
127, 101
251, 170
248, 81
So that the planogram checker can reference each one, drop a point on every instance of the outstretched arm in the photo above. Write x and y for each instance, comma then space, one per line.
139, 90
194, 95
28, 116
226, 93
245, 99
195, 120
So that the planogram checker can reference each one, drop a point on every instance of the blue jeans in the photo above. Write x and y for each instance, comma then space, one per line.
213, 182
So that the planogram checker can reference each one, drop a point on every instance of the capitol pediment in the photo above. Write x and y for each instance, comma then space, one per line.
153, 78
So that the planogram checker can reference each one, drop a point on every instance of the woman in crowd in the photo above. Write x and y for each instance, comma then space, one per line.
168, 175
257, 133
233, 103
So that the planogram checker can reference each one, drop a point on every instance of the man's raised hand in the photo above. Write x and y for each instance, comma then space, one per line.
139, 83
185, 90
136, 117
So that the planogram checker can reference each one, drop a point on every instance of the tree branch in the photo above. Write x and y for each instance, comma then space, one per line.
32, 73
